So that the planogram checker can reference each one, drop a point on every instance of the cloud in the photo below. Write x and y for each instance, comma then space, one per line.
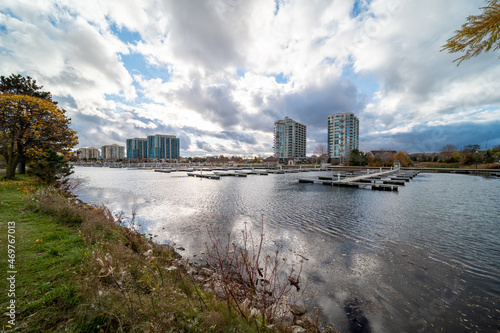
219, 73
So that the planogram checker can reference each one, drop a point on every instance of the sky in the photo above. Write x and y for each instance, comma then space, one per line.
218, 73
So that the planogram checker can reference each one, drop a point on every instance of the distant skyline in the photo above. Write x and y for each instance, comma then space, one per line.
219, 73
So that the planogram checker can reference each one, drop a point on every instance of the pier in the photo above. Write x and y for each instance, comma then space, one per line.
201, 175
389, 180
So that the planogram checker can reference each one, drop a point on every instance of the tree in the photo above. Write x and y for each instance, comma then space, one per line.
468, 153
447, 152
357, 157
321, 152
402, 158
479, 34
19, 85
29, 126
52, 168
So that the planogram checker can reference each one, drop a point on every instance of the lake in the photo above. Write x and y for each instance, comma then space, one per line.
423, 259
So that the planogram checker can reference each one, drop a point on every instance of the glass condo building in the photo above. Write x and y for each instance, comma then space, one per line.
343, 134
289, 139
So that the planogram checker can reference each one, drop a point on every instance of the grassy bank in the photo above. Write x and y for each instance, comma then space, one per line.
78, 270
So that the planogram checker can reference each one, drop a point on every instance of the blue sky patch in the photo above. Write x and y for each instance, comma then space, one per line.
125, 35
280, 78
358, 8
240, 72
135, 63
366, 83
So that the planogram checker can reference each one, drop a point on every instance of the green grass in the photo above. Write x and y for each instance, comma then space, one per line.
48, 257
79, 271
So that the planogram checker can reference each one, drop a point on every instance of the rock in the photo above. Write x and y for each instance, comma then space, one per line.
297, 310
206, 272
287, 319
219, 291
300, 322
172, 268
298, 329
245, 305
254, 313
294, 281
180, 248
283, 315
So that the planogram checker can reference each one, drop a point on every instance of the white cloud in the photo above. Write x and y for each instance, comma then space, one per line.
233, 66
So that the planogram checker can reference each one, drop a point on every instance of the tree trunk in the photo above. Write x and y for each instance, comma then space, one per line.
21, 169
12, 163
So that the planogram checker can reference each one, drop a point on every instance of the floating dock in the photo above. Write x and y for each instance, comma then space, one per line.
380, 181
229, 174
200, 175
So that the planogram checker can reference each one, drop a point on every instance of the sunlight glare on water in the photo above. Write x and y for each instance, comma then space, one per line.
425, 258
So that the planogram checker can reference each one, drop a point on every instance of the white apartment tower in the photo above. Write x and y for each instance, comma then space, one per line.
289, 139
112, 152
343, 134
87, 153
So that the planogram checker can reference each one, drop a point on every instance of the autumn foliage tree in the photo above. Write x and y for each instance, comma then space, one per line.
29, 126
481, 33
402, 158
17, 84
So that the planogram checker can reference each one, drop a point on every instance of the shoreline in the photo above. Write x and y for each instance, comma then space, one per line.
125, 280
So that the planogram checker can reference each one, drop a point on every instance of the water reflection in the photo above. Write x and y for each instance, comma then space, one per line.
425, 258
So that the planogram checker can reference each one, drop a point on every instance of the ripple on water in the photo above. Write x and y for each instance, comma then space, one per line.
384, 257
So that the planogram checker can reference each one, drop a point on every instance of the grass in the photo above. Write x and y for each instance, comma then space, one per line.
78, 270
46, 255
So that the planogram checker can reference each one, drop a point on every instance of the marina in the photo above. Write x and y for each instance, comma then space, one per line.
430, 243
379, 181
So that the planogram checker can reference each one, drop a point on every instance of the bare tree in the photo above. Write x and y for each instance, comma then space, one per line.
320, 151
447, 152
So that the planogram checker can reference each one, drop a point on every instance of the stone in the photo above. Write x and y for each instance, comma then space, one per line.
254, 313
298, 329
297, 310
245, 304
206, 271
220, 292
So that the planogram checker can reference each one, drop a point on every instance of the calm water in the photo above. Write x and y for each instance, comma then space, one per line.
424, 259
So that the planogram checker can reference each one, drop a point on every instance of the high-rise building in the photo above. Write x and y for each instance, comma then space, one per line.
112, 152
343, 134
163, 146
137, 148
289, 139
87, 153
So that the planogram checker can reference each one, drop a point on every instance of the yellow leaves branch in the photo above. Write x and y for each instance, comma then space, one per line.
479, 34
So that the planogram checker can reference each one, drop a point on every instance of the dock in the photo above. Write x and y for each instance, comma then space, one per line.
200, 175
389, 180
229, 174
163, 170
254, 172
